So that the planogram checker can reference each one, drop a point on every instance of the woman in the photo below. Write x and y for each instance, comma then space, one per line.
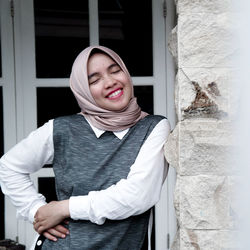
108, 163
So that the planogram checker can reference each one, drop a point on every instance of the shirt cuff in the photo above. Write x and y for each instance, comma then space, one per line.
34, 209
79, 207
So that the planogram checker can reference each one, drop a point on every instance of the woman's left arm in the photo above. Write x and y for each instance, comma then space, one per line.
133, 195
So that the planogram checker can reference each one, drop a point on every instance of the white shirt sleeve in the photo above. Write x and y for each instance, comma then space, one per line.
133, 195
28, 156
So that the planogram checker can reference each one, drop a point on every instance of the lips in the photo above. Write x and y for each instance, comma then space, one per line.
115, 94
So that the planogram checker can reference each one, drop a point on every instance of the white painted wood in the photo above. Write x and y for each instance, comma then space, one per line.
170, 76
160, 107
93, 22
164, 212
25, 87
64, 82
25, 67
8, 77
159, 61
9, 105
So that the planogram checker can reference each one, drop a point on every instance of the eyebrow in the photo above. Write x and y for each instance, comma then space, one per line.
92, 75
109, 67
113, 65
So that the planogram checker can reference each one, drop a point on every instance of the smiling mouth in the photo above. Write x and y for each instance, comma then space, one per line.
117, 93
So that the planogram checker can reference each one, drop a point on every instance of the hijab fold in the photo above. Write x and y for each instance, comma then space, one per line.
99, 117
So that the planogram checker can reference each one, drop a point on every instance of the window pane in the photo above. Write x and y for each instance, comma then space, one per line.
0, 56
0, 50
126, 27
61, 32
58, 101
46, 186
145, 98
1, 121
53, 102
1, 153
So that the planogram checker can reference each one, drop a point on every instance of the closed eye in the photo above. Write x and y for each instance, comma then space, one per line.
114, 68
93, 81
93, 78
116, 71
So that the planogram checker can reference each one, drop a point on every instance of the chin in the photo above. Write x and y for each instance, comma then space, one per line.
116, 108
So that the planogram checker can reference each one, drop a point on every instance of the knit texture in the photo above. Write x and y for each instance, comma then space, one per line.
84, 163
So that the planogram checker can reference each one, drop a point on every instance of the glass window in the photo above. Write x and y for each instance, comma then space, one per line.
1, 153
0, 56
53, 102
1, 121
145, 95
61, 32
1, 215
126, 27
0, 50
58, 101
46, 186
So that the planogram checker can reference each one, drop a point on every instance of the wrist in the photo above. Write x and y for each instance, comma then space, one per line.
64, 208
34, 209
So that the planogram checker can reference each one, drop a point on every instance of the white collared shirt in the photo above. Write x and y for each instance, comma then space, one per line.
131, 196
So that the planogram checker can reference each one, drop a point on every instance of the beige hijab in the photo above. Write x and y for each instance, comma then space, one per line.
101, 118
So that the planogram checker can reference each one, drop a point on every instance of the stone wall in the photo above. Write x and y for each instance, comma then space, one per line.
201, 143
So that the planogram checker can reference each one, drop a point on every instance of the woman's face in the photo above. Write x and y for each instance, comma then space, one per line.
109, 85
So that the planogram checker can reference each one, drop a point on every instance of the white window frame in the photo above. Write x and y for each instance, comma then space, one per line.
24, 118
7, 81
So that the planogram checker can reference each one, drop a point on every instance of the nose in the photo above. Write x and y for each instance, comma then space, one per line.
109, 81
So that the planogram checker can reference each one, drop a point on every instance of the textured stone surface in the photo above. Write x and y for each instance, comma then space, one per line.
172, 44
199, 6
204, 202
184, 93
205, 40
171, 148
201, 143
208, 240
177, 195
205, 92
201, 147
176, 242
236, 200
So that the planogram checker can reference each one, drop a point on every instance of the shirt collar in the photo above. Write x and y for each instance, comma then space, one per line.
98, 132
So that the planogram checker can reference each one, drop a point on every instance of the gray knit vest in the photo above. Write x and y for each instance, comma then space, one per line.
84, 163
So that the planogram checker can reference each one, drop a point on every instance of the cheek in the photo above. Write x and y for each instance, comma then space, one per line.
127, 84
95, 92
130, 90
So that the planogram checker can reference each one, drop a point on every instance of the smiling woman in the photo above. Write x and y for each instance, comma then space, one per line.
109, 85
48, 37
108, 162
92, 98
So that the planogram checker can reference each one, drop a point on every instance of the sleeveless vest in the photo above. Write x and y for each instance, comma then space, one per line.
84, 163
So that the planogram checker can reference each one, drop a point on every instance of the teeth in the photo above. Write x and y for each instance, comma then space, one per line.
115, 93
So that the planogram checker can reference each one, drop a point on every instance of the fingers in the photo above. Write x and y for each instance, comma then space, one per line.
63, 231
50, 215
49, 236
38, 227
58, 231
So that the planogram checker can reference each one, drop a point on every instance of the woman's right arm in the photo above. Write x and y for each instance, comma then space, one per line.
27, 157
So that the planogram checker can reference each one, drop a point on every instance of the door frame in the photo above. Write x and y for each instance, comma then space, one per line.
7, 81
24, 117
